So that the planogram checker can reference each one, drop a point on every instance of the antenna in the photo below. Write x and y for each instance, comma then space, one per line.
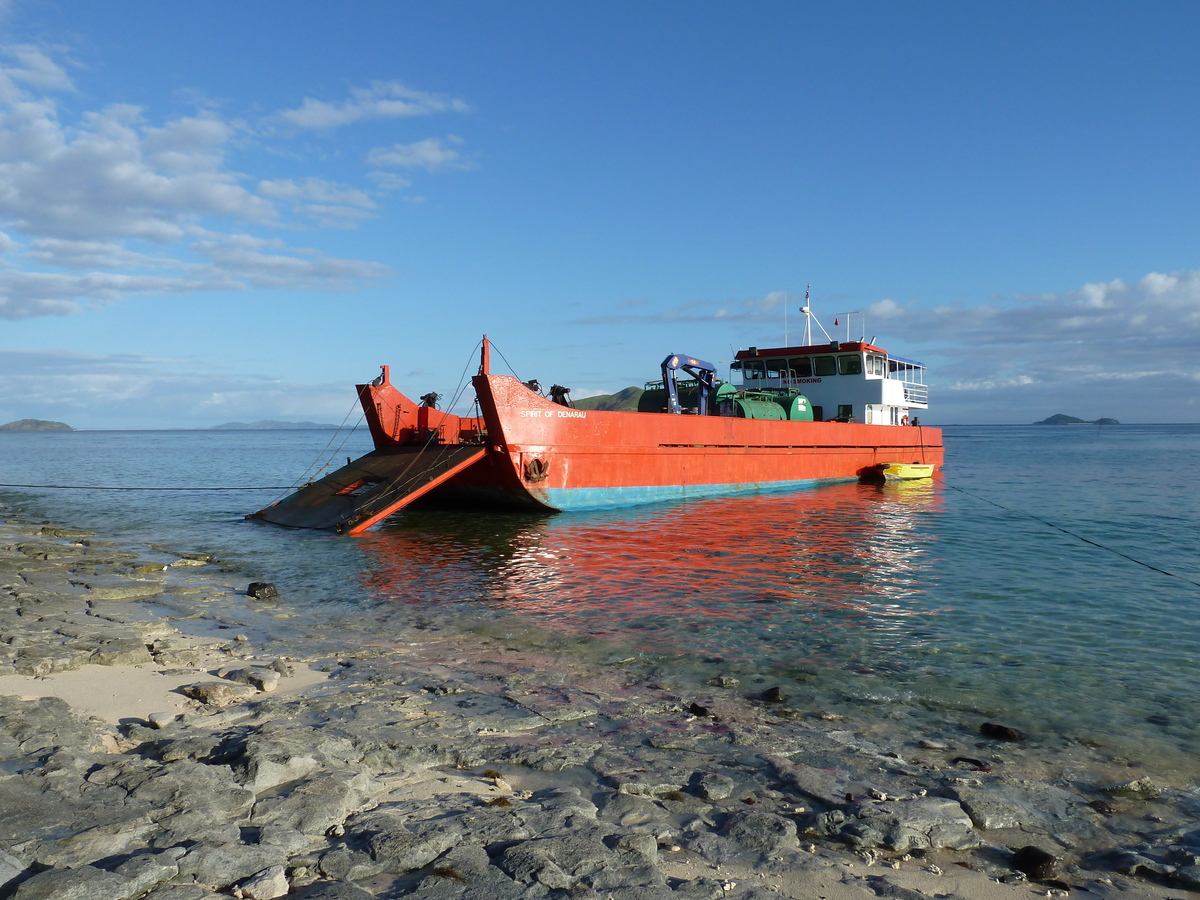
807, 310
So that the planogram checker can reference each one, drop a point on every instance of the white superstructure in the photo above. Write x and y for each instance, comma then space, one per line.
846, 381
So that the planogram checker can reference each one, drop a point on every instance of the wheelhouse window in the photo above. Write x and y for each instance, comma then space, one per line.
876, 365
850, 365
906, 370
825, 365
777, 368
801, 367
753, 370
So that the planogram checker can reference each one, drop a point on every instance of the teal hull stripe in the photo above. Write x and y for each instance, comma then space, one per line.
614, 497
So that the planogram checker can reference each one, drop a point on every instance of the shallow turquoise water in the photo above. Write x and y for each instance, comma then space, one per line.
1051, 576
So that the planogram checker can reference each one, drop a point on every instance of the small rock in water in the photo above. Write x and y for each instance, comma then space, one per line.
724, 681
699, 711
1001, 732
773, 695
1140, 788
1034, 862
714, 786
261, 590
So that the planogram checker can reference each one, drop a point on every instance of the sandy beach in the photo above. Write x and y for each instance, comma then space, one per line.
150, 749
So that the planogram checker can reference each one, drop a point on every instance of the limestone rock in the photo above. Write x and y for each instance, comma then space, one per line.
762, 832
267, 764
924, 823
219, 693
149, 869
261, 677
78, 883
266, 885
127, 652
714, 786
10, 869
1139, 789
127, 589
318, 804
401, 850
222, 866
1000, 805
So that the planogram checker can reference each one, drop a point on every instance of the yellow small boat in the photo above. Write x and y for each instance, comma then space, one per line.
899, 471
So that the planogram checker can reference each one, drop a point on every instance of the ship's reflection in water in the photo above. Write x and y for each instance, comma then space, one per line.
834, 576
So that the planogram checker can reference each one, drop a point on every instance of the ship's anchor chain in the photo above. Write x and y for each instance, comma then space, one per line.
536, 470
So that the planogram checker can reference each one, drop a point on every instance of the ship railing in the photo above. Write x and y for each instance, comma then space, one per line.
916, 393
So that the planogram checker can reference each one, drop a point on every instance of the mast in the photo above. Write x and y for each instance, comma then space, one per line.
807, 310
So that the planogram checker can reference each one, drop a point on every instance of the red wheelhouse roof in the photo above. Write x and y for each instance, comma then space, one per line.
810, 350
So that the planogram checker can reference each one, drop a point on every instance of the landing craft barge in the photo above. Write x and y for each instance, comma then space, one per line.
789, 417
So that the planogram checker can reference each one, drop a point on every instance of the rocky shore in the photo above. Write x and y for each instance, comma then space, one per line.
150, 750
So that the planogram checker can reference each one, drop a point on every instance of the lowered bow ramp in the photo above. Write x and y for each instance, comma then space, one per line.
374, 486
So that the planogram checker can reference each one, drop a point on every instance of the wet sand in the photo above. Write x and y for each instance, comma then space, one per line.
154, 745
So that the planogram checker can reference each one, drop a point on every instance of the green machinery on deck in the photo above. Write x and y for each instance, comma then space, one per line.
729, 401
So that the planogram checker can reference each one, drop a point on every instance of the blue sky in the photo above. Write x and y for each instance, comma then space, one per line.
223, 211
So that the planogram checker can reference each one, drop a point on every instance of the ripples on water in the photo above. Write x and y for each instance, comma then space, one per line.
949, 594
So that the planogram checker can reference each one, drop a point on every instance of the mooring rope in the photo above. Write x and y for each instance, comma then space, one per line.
1077, 536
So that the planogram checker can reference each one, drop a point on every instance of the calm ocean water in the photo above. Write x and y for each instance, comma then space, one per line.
1050, 578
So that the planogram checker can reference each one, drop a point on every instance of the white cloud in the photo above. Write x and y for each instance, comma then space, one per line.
257, 263
323, 201
68, 254
96, 180
884, 309
1114, 348
110, 204
1156, 307
430, 154
315, 190
389, 181
30, 67
135, 391
382, 100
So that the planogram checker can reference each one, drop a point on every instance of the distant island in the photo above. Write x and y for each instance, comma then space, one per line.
35, 425
626, 399
1061, 419
271, 425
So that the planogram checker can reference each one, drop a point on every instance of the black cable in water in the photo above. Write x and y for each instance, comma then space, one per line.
1080, 537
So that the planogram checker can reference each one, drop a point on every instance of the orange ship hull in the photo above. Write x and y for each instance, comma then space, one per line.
559, 458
